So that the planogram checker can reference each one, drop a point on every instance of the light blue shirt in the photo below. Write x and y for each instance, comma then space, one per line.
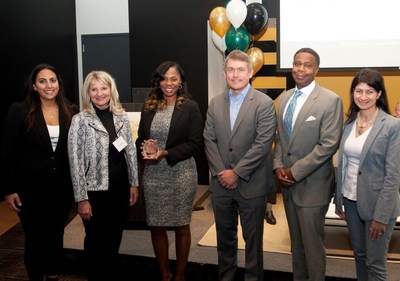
235, 102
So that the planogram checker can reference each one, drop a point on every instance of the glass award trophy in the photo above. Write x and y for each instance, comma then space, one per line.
151, 148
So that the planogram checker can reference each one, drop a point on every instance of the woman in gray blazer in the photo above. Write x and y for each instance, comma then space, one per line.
369, 174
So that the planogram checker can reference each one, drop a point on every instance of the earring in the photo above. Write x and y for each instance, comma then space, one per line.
180, 86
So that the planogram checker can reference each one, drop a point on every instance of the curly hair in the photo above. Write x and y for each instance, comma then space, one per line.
155, 99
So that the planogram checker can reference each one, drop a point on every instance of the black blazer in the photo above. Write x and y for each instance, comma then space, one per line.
185, 137
28, 160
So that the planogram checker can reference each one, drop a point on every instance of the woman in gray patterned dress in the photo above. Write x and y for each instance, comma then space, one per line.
169, 181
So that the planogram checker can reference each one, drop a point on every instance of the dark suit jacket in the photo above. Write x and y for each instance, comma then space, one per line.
28, 160
245, 149
185, 137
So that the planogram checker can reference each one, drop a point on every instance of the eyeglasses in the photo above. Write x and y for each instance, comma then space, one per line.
306, 65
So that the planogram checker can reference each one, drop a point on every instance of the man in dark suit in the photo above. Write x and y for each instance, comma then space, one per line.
239, 131
303, 164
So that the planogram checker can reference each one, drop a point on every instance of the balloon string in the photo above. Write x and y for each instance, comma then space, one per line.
252, 41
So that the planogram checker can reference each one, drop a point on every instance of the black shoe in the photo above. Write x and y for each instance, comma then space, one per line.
52, 278
269, 217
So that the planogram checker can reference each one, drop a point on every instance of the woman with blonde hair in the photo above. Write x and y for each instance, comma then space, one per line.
102, 156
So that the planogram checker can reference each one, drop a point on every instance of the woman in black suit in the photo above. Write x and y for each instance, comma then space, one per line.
36, 170
173, 119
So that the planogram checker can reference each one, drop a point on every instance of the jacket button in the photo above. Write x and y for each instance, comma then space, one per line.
359, 173
230, 149
52, 158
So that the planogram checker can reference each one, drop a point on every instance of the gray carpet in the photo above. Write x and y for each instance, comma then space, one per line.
137, 242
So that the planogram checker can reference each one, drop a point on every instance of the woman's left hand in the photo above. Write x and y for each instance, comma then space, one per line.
376, 230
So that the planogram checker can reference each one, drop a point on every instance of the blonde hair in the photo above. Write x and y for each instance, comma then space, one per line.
239, 55
103, 77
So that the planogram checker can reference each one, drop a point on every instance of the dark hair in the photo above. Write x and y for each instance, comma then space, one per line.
155, 99
33, 99
374, 79
310, 51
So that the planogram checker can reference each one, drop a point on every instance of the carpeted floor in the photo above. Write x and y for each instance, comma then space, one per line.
137, 257
137, 242
337, 240
129, 267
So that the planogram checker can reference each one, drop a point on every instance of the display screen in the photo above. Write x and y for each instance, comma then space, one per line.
347, 34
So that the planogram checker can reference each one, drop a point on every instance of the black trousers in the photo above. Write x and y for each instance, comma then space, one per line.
104, 231
43, 217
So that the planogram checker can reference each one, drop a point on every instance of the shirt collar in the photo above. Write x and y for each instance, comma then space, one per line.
308, 89
242, 93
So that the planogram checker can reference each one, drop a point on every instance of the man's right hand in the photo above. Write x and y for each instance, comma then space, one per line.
284, 177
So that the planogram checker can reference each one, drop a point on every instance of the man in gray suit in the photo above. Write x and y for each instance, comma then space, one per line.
309, 135
238, 134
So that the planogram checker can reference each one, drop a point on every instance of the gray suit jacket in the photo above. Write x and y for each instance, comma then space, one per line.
378, 180
315, 138
246, 148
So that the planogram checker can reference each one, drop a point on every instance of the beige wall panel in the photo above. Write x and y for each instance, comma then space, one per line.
269, 82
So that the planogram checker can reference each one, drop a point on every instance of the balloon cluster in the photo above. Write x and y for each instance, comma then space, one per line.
232, 26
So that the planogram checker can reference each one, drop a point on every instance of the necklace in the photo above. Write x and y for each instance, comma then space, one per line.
361, 127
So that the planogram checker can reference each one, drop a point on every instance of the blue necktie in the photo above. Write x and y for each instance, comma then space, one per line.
288, 119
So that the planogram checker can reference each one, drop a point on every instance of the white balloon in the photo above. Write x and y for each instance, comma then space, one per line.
236, 12
218, 41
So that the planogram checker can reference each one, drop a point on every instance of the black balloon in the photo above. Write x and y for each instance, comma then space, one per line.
256, 19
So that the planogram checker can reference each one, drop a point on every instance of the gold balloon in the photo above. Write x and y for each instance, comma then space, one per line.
257, 58
219, 22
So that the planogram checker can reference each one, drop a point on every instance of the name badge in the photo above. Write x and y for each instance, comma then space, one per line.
120, 143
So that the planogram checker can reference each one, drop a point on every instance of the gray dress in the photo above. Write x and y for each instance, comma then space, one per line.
168, 190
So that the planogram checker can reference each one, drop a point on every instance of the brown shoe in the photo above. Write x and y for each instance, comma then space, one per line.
270, 218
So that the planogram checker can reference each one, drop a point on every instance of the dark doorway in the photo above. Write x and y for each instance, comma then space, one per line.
109, 52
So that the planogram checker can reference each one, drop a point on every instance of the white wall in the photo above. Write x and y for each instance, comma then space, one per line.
216, 79
99, 17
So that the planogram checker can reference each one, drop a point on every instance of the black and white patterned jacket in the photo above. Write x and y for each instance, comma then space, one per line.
88, 148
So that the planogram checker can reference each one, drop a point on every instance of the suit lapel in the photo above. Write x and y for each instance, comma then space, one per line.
243, 109
42, 130
176, 115
63, 132
376, 128
226, 115
347, 131
305, 109
281, 110
147, 119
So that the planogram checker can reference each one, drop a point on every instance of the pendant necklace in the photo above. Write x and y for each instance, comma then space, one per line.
361, 127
